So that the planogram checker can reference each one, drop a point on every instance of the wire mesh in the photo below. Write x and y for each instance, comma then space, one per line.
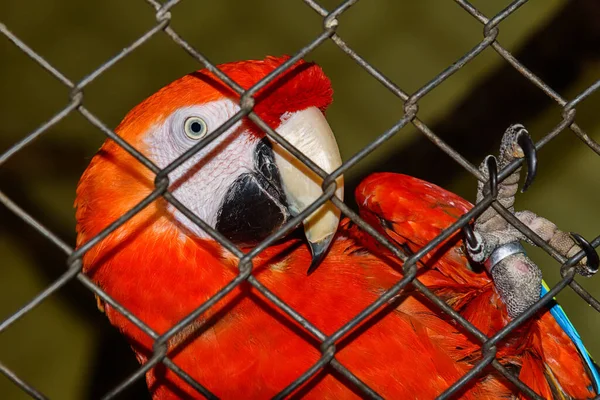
327, 343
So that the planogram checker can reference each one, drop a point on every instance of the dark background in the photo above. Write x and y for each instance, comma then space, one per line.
65, 347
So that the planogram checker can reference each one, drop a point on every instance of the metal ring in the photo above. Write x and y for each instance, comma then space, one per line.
501, 252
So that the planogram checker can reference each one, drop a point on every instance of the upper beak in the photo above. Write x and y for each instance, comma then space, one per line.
310, 133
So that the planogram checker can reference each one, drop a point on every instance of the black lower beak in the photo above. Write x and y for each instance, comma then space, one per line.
255, 205
250, 212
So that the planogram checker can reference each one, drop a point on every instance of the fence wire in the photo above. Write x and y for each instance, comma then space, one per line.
327, 343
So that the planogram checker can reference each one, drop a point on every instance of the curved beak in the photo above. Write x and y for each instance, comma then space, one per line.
309, 132
318, 250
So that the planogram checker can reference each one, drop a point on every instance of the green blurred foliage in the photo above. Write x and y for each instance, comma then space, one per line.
409, 41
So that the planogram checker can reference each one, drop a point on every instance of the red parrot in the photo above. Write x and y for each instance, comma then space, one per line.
161, 266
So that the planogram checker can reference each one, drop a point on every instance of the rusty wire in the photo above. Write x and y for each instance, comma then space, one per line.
411, 105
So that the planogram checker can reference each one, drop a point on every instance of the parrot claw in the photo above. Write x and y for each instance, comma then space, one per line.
470, 237
476, 246
517, 143
530, 153
492, 168
591, 266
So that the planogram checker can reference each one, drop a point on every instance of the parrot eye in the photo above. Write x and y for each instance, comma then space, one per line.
195, 128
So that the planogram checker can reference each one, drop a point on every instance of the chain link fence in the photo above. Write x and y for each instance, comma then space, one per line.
490, 28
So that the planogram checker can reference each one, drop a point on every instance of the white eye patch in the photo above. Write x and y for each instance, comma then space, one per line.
187, 125
202, 181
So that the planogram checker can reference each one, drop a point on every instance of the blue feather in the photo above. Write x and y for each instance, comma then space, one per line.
559, 314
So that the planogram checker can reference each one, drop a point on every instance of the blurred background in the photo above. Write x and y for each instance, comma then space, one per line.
65, 347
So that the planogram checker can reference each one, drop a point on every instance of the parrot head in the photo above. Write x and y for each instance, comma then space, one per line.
243, 184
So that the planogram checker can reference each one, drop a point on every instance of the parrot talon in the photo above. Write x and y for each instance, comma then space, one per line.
530, 152
470, 237
492, 167
592, 256
474, 244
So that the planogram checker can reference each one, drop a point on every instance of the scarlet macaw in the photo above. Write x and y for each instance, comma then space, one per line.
161, 266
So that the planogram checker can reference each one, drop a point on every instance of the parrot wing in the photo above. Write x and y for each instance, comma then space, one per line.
411, 212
